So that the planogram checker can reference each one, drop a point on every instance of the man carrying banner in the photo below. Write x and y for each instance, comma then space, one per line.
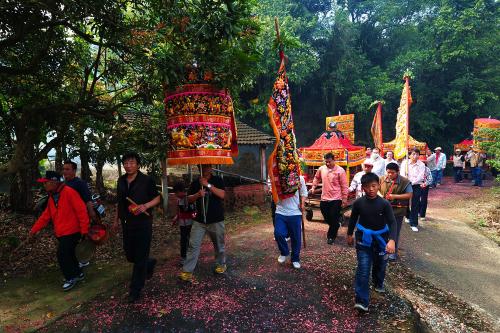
208, 192
333, 194
288, 221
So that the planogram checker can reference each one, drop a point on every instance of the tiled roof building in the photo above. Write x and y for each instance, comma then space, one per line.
250, 136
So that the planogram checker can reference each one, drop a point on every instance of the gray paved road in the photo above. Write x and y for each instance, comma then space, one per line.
451, 254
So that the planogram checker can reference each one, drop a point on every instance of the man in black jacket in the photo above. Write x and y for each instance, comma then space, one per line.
137, 195
81, 186
208, 192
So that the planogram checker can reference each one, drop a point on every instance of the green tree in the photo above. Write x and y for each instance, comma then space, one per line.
492, 147
456, 69
54, 61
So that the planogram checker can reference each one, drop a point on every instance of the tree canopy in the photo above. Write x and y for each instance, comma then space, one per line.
78, 76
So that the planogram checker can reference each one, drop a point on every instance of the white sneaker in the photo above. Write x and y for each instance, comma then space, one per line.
414, 229
422, 219
82, 264
361, 307
69, 284
296, 264
287, 239
281, 259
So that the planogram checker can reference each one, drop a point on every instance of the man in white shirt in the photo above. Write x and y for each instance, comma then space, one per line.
440, 165
389, 158
356, 180
288, 223
378, 163
415, 172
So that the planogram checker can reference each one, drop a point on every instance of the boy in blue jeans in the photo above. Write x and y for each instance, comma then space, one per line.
375, 225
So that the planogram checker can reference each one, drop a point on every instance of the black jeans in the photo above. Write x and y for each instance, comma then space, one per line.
458, 173
424, 197
399, 223
331, 214
137, 243
66, 255
415, 205
185, 232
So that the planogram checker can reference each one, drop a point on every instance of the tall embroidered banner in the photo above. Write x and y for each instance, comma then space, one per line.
402, 122
200, 125
377, 127
283, 164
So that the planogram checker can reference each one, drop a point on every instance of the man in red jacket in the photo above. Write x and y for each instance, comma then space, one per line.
69, 216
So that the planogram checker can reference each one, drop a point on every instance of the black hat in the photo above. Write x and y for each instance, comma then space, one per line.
50, 176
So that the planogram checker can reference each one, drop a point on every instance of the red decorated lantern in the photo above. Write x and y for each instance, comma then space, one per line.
200, 125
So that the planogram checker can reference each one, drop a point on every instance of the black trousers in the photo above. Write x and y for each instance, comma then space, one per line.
137, 243
415, 205
331, 213
424, 197
66, 256
185, 233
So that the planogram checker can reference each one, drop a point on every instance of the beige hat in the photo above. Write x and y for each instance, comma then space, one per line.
458, 149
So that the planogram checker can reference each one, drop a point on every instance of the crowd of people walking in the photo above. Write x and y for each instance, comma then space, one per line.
386, 192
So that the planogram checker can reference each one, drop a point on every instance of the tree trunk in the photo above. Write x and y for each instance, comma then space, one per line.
22, 189
61, 153
119, 163
99, 180
59, 158
23, 180
333, 103
85, 172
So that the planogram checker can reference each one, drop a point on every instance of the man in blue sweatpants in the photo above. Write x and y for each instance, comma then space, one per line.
288, 220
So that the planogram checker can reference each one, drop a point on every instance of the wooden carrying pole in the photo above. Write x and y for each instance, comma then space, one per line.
132, 202
277, 28
203, 198
164, 186
303, 231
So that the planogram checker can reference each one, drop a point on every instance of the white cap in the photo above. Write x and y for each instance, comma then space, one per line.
368, 161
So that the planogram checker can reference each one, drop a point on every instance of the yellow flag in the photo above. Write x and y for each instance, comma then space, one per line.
402, 122
377, 127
